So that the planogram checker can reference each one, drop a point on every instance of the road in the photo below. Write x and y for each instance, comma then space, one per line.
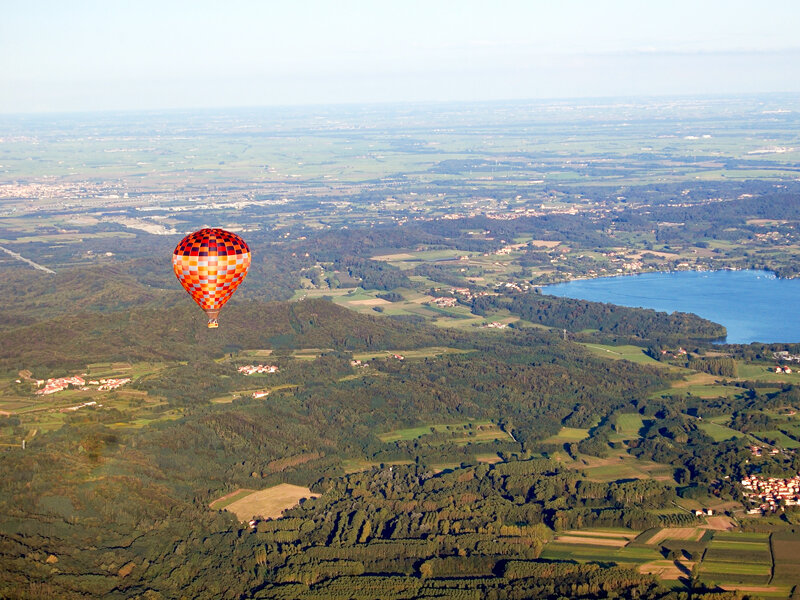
27, 260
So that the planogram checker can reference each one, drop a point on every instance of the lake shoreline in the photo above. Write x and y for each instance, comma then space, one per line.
752, 305
541, 286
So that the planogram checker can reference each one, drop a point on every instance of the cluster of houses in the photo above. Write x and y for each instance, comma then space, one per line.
467, 294
677, 354
771, 493
51, 386
784, 355
757, 450
358, 364
517, 287
250, 369
634, 265
495, 325
110, 384
444, 302
80, 406
459, 292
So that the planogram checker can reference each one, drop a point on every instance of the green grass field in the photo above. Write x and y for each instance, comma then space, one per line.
719, 432
762, 372
632, 353
230, 499
631, 555
735, 568
629, 424
783, 440
702, 391
567, 435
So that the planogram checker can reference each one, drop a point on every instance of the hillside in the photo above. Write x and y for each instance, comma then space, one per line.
179, 333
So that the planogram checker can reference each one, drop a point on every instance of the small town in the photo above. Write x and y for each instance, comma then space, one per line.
771, 493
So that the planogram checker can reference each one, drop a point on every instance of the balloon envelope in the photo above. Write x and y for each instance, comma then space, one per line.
210, 264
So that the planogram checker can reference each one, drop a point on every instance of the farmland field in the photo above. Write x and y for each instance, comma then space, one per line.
731, 559
786, 556
693, 534
574, 539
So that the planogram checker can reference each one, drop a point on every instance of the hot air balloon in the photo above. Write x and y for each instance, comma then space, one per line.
210, 264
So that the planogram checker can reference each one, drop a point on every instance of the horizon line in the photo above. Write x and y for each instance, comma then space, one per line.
635, 99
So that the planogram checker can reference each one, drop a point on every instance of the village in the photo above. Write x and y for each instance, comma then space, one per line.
771, 493
252, 369
51, 386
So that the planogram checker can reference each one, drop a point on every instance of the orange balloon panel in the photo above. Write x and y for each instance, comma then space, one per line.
210, 264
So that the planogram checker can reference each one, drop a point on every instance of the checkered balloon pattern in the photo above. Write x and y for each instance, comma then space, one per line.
210, 264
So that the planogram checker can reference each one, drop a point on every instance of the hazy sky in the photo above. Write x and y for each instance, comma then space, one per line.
65, 55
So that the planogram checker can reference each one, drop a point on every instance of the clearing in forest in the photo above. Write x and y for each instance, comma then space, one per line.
451, 433
628, 424
620, 465
266, 504
369, 302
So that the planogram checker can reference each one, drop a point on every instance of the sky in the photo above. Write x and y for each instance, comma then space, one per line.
85, 55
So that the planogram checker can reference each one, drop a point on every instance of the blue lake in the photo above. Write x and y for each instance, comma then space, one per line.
755, 306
